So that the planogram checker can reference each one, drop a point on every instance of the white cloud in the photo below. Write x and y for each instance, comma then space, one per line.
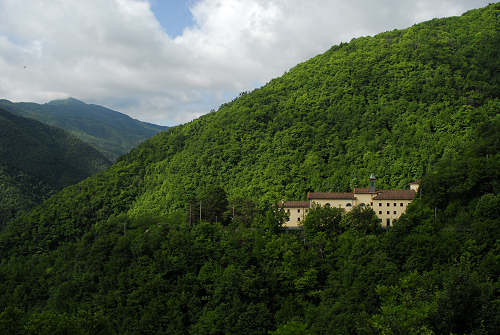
115, 53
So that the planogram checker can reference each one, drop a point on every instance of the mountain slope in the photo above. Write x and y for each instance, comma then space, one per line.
36, 160
394, 105
111, 132
96, 258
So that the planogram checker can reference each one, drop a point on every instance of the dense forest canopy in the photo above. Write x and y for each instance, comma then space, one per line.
37, 160
437, 271
119, 252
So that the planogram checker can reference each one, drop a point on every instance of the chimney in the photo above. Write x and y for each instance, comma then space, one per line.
373, 187
414, 186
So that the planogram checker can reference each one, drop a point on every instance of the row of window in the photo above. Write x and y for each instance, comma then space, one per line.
388, 212
389, 204
371, 204
388, 221
362, 204
347, 205
380, 212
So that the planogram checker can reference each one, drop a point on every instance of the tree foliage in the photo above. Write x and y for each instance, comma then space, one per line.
115, 254
37, 160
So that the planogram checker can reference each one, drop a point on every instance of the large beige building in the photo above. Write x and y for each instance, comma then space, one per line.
387, 204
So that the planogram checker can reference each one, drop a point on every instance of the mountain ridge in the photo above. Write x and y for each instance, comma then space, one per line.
120, 252
109, 131
37, 160
384, 105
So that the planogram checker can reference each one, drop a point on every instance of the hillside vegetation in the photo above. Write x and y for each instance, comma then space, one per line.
435, 272
111, 132
393, 105
117, 253
36, 160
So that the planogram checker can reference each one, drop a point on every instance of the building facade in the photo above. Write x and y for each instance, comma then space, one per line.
388, 205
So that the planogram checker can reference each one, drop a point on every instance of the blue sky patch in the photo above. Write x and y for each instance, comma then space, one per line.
173, 15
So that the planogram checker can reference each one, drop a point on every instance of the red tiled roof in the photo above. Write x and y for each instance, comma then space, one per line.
330, 195
295, 204
395, 195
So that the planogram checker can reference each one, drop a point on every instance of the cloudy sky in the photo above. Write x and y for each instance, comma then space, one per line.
169, 61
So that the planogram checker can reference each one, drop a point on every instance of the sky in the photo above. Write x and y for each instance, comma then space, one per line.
169, 61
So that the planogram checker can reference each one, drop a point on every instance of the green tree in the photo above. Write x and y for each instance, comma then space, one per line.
323, 219
213, 204
293, 327
11, 321
362, 219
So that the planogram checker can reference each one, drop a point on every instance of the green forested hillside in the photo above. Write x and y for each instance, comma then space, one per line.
36, 160
111, 132
116, 253
393, 105
437, 271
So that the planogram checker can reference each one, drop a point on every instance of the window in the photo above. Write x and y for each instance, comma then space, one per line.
394, 212
288, 211
388, 222
298, 210
306, 210
327, 204
401, 204
395, 204
388, 204
388, 212
380, 204
380, 212
362, 204
298, 219
371, 204
348, 204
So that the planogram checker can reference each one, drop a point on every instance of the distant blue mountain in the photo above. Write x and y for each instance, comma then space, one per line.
111, 132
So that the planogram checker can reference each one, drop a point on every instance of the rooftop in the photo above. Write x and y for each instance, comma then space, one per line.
330, 195
295, 204
395, 195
